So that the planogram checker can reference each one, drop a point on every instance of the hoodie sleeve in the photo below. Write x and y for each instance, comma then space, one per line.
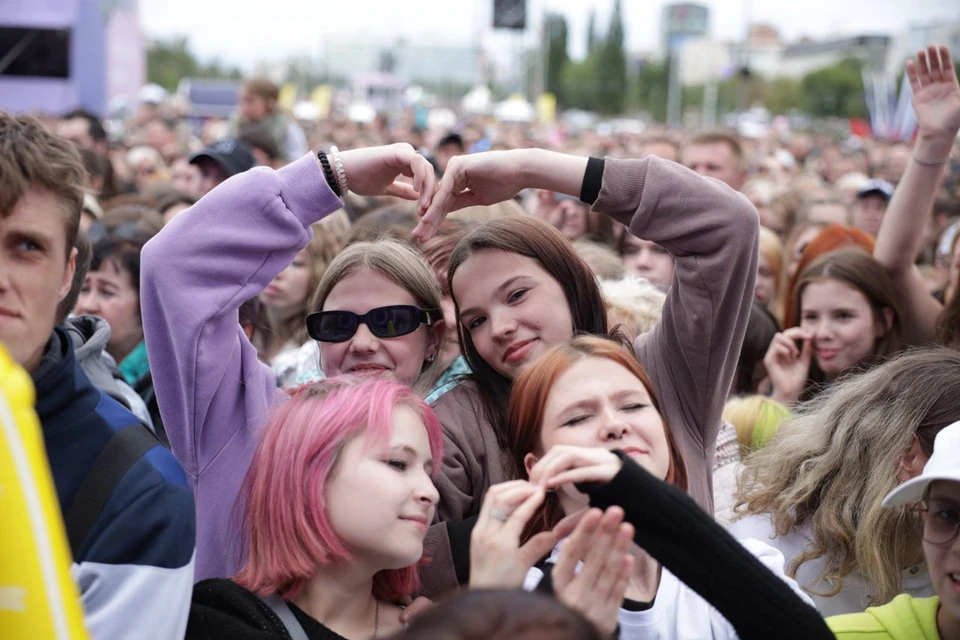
195, 275
691, 353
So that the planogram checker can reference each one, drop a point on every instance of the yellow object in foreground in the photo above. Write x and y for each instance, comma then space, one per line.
38, 598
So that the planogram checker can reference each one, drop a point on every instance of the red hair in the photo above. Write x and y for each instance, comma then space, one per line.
832, 238
287, 533
528, 400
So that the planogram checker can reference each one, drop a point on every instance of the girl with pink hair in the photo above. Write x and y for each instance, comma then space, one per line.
337, 502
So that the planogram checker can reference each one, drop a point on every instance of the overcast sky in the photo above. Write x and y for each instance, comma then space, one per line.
244, 32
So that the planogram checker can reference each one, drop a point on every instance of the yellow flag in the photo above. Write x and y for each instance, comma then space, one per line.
547, 108
38, 598
288, 96
322, 96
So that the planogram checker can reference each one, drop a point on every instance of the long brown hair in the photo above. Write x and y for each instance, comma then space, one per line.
860, 270
542, 242
528, 400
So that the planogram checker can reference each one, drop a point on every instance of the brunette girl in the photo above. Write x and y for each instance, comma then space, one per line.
845, 318
519, 289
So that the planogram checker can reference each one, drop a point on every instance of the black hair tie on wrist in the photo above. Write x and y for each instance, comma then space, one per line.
592, 181
329, 174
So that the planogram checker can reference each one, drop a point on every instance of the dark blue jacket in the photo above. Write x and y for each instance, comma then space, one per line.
135, 568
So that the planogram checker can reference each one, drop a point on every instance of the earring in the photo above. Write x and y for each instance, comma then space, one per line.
431, 357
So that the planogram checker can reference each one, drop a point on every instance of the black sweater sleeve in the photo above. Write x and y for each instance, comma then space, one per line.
672, 528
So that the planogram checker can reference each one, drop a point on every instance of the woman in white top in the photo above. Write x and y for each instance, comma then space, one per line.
814, 491
587, 428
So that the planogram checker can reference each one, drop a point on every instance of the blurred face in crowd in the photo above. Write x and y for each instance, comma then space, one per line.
766, 287
660, 149
402, 357
511, 307
896, 163
828, 213
77, 131
157, 135
868, 212
450, 347
380, 500
110, 294
570, 217
647, 260
35, 274
253, 107
286, 295
446, 152
800, 245
211, 174
715, 160
186, 177
599, 403
842, 323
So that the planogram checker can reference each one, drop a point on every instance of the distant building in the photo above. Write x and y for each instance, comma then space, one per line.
906, 44
408, 62
680, 23
800, 59
61, 54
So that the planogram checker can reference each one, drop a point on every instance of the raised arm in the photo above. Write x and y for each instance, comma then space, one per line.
712, 231
195, 275
936, 101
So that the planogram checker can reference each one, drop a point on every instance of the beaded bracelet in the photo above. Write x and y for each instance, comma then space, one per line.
328, 173
341, 174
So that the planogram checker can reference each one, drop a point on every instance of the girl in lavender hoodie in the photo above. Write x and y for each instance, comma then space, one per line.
213, 391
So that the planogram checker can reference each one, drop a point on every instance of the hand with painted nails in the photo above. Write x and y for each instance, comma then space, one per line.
374, 171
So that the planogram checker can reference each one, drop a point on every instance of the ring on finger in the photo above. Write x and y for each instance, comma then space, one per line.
497, 514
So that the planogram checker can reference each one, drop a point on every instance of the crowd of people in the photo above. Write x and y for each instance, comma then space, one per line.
332, 380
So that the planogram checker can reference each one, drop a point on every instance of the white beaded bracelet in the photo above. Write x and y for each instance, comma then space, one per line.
341, 174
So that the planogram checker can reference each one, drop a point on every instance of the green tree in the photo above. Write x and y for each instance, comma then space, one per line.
835, 91
169, 61
556, 54
652, 89
611, 78
579, 84
592, 42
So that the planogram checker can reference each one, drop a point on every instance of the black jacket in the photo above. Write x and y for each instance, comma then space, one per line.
222, 609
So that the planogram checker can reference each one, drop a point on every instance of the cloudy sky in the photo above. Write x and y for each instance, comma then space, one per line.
244, 32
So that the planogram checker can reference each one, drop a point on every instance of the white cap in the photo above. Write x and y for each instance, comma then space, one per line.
944, 464
152, 93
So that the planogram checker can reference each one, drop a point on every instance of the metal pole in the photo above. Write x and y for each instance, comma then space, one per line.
673, 90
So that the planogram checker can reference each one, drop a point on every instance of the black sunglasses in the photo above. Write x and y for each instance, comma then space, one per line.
384, 322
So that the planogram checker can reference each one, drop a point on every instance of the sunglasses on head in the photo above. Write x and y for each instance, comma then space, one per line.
384, 322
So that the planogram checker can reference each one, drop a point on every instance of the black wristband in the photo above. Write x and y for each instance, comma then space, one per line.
329, 174
592, 181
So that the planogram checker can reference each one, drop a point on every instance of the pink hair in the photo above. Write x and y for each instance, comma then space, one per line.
286, 529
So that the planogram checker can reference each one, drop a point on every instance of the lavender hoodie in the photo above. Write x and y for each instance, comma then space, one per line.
212, 390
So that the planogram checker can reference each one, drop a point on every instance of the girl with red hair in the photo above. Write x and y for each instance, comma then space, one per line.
586, 427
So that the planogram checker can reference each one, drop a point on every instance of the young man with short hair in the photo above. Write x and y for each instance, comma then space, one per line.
129, 513
717, 155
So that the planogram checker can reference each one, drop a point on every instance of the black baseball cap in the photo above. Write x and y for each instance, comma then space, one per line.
232, 155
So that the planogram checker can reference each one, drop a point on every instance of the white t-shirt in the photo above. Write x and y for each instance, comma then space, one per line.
678, 612
855, 594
